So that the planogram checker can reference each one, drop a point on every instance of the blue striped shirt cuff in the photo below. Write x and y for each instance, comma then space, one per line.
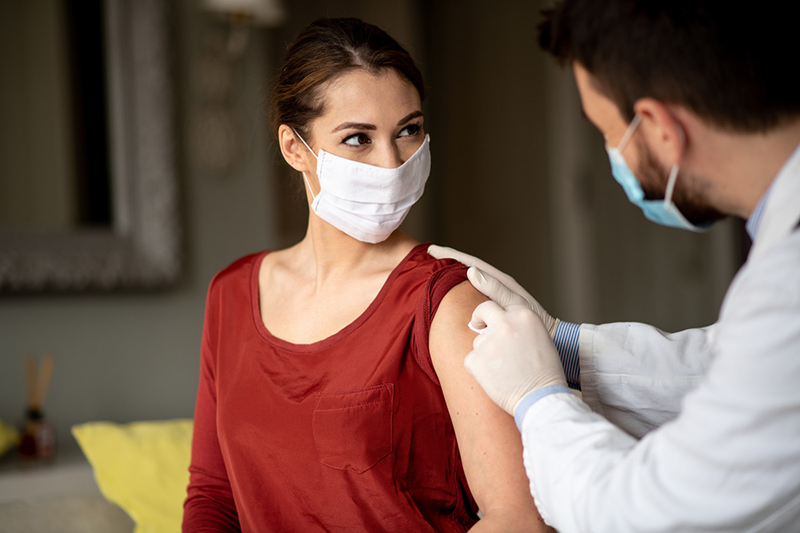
566, 341
522, 407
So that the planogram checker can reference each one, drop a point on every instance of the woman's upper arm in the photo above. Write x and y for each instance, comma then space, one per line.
490, 445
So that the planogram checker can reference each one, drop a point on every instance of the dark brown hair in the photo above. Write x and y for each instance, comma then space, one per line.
728, 65
326, 49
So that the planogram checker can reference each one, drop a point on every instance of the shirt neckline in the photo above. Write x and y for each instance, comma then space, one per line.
339, 335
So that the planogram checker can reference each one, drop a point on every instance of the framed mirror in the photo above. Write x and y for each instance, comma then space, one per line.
89, 194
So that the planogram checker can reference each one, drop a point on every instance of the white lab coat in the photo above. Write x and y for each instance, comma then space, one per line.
717, 409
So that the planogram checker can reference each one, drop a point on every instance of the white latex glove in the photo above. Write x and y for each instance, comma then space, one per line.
513, 355
495, 285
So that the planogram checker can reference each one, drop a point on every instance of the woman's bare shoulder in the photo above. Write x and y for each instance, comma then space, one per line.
457, 306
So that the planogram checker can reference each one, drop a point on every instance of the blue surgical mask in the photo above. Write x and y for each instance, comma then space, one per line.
662, 212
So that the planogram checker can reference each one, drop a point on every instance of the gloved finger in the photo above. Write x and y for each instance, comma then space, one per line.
469, 362
484, 314
443, 252
495, 290
476, 328
476, 362
516, 288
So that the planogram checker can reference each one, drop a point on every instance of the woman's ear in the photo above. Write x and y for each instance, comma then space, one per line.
294, 151
665, 134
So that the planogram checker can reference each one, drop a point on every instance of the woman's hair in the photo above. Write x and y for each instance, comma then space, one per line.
326, 49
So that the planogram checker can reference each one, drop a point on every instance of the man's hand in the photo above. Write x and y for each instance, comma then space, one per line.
496, 285
513, 355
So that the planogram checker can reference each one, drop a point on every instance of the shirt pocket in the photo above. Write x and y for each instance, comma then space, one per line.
353, 430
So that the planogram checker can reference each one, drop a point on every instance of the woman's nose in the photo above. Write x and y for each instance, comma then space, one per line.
390, 157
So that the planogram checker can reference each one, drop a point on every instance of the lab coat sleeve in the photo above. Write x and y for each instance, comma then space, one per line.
636, 375
730, 461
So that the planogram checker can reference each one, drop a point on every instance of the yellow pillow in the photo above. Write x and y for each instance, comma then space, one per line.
9, 437
142, 467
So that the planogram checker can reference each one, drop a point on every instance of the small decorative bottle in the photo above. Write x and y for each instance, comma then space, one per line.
38, 441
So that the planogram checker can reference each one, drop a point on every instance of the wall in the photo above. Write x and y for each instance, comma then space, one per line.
35, 104
487, 109
134, 356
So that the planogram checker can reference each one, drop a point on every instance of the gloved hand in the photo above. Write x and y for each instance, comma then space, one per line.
496, 285
513, 355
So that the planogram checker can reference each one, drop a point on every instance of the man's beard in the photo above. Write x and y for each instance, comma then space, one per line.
687, 195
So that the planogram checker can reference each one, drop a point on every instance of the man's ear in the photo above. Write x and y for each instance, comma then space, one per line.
294, 151
666, 136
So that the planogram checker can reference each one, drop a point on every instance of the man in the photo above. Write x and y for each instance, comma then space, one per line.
699, 430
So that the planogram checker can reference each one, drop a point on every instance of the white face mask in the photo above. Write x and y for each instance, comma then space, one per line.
364, 201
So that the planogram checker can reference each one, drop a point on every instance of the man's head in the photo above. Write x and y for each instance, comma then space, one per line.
689, 68
730, 66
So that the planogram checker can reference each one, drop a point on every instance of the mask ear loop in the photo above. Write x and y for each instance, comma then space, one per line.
313, 196
637, 118
305, 143
673, 175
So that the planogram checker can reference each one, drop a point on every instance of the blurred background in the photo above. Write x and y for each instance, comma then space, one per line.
519, 179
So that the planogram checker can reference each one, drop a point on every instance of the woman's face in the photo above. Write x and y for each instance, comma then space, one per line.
372, 119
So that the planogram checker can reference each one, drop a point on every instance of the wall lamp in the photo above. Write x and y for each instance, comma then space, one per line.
217, 132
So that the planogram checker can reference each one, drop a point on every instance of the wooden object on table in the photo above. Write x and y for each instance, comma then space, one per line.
38, 435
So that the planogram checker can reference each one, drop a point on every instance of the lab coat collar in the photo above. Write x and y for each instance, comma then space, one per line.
754, 222
782, 210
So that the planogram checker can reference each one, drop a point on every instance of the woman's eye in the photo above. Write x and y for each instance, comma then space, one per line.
408, 131
357, 139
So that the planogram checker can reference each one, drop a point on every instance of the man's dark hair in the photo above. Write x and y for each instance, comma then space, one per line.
733, 65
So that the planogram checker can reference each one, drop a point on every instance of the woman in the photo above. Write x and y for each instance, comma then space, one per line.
332, 393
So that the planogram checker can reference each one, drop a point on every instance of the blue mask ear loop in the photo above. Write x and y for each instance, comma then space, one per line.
313, 197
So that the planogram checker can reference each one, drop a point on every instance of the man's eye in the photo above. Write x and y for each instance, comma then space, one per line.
408, 131
357, 139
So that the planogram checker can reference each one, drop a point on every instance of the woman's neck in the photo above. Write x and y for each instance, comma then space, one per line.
329, 255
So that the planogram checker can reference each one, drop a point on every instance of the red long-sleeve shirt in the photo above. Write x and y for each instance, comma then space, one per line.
347, 434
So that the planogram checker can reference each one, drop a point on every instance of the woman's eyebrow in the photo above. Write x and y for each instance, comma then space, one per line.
410, 116
365, 126
353, 125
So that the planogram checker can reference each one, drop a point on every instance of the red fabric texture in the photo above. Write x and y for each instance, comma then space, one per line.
347, 434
